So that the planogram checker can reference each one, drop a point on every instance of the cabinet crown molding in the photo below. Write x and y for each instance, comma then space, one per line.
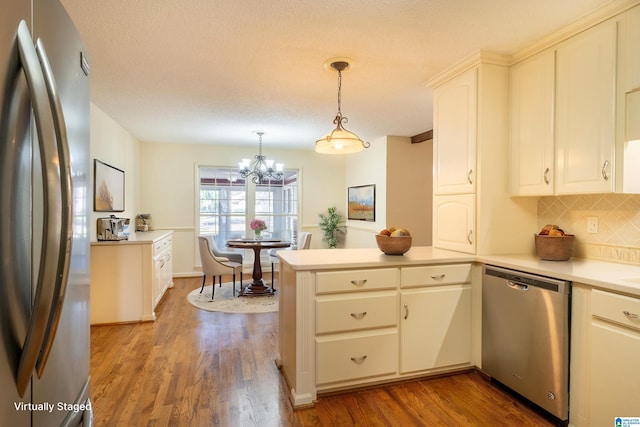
470, 61
609, 10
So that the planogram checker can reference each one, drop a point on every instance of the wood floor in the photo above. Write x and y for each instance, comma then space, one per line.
196, 368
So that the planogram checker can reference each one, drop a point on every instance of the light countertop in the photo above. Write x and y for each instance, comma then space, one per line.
327, 259
137, 238
623, 278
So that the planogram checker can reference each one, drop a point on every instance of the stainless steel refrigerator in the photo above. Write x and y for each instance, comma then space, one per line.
44, 241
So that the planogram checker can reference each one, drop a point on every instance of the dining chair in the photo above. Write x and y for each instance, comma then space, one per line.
213, 265
304, 242
232, 256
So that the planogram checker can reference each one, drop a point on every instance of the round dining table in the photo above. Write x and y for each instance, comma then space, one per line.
257, 286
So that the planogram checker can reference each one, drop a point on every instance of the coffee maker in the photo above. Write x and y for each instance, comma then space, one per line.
113, 228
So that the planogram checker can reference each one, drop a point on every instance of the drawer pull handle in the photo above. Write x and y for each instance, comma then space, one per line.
359, 315
406, 311
546, 176
359, 359
469, 176
469, 237
631, 315
359, 282
437, 276
604, 170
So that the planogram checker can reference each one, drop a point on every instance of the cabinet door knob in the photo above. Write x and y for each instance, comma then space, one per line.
359, 359
437, 276
605, 166
359, 315
631, 315
359, 282
546, 176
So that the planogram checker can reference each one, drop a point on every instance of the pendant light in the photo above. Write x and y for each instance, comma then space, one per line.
340, 140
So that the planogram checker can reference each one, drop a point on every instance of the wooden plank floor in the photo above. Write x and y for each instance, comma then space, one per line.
198, 368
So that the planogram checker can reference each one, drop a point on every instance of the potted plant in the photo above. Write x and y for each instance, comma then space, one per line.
329, 223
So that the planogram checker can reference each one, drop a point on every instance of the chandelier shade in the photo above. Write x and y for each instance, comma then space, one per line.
340, 140
260, 168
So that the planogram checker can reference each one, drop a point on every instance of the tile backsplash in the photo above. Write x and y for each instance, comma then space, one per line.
618, 237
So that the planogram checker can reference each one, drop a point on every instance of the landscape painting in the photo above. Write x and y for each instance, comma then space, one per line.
108, 188
362, 203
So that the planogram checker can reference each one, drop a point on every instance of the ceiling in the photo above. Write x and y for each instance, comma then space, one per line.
215, 71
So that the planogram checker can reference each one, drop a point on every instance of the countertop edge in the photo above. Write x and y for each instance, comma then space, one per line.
137, 238
603, 275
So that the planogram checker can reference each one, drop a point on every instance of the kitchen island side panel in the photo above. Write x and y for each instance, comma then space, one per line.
297, 332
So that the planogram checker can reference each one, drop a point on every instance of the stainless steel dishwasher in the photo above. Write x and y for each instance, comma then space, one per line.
525, 336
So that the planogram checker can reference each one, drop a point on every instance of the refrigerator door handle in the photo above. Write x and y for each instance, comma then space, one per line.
65, 232
45, 290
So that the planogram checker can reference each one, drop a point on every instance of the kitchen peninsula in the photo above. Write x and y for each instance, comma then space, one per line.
356, 317
347, 317
129, 277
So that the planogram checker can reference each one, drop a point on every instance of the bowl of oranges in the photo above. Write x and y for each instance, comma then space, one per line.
394, 241
553, 244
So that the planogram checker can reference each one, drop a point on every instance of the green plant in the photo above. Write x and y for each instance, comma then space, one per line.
329, 223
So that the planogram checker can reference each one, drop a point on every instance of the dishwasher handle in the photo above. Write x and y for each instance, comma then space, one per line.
518, 286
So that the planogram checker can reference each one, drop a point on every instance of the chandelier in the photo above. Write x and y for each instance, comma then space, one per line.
340, 140
260, 168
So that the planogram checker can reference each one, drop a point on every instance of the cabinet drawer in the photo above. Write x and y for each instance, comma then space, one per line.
351, 357
616, 308
162, 245
435, 275
356, 280
354, 312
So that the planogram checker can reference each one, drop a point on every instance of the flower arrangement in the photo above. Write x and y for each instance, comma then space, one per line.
258, 226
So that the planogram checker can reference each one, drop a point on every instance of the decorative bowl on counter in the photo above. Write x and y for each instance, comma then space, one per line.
554, 248
393, 245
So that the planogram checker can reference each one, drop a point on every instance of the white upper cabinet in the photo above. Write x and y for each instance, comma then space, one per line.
628, 106
454, 225
629, 56
471, 161
532, 125
454, 134
585, 111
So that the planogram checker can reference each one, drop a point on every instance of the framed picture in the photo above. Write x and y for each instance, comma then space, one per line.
362, 203
108, 188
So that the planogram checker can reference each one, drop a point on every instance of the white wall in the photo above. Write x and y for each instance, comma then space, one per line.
112, 144
402, 174
367, 167
410, 187
168, 188
160, 179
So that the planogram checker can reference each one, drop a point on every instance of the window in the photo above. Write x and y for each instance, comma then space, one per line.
223, 204
227, 204
276, 203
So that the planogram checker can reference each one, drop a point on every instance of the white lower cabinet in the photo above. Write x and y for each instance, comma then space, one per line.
395, 321
129, 278
162, 268
356, 325
362, 355
436, 328
341, 313
435, 317
615, 358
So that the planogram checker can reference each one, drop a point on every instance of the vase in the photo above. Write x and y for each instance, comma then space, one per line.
258, 235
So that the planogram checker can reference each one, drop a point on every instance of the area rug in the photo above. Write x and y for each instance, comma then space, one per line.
225, 302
